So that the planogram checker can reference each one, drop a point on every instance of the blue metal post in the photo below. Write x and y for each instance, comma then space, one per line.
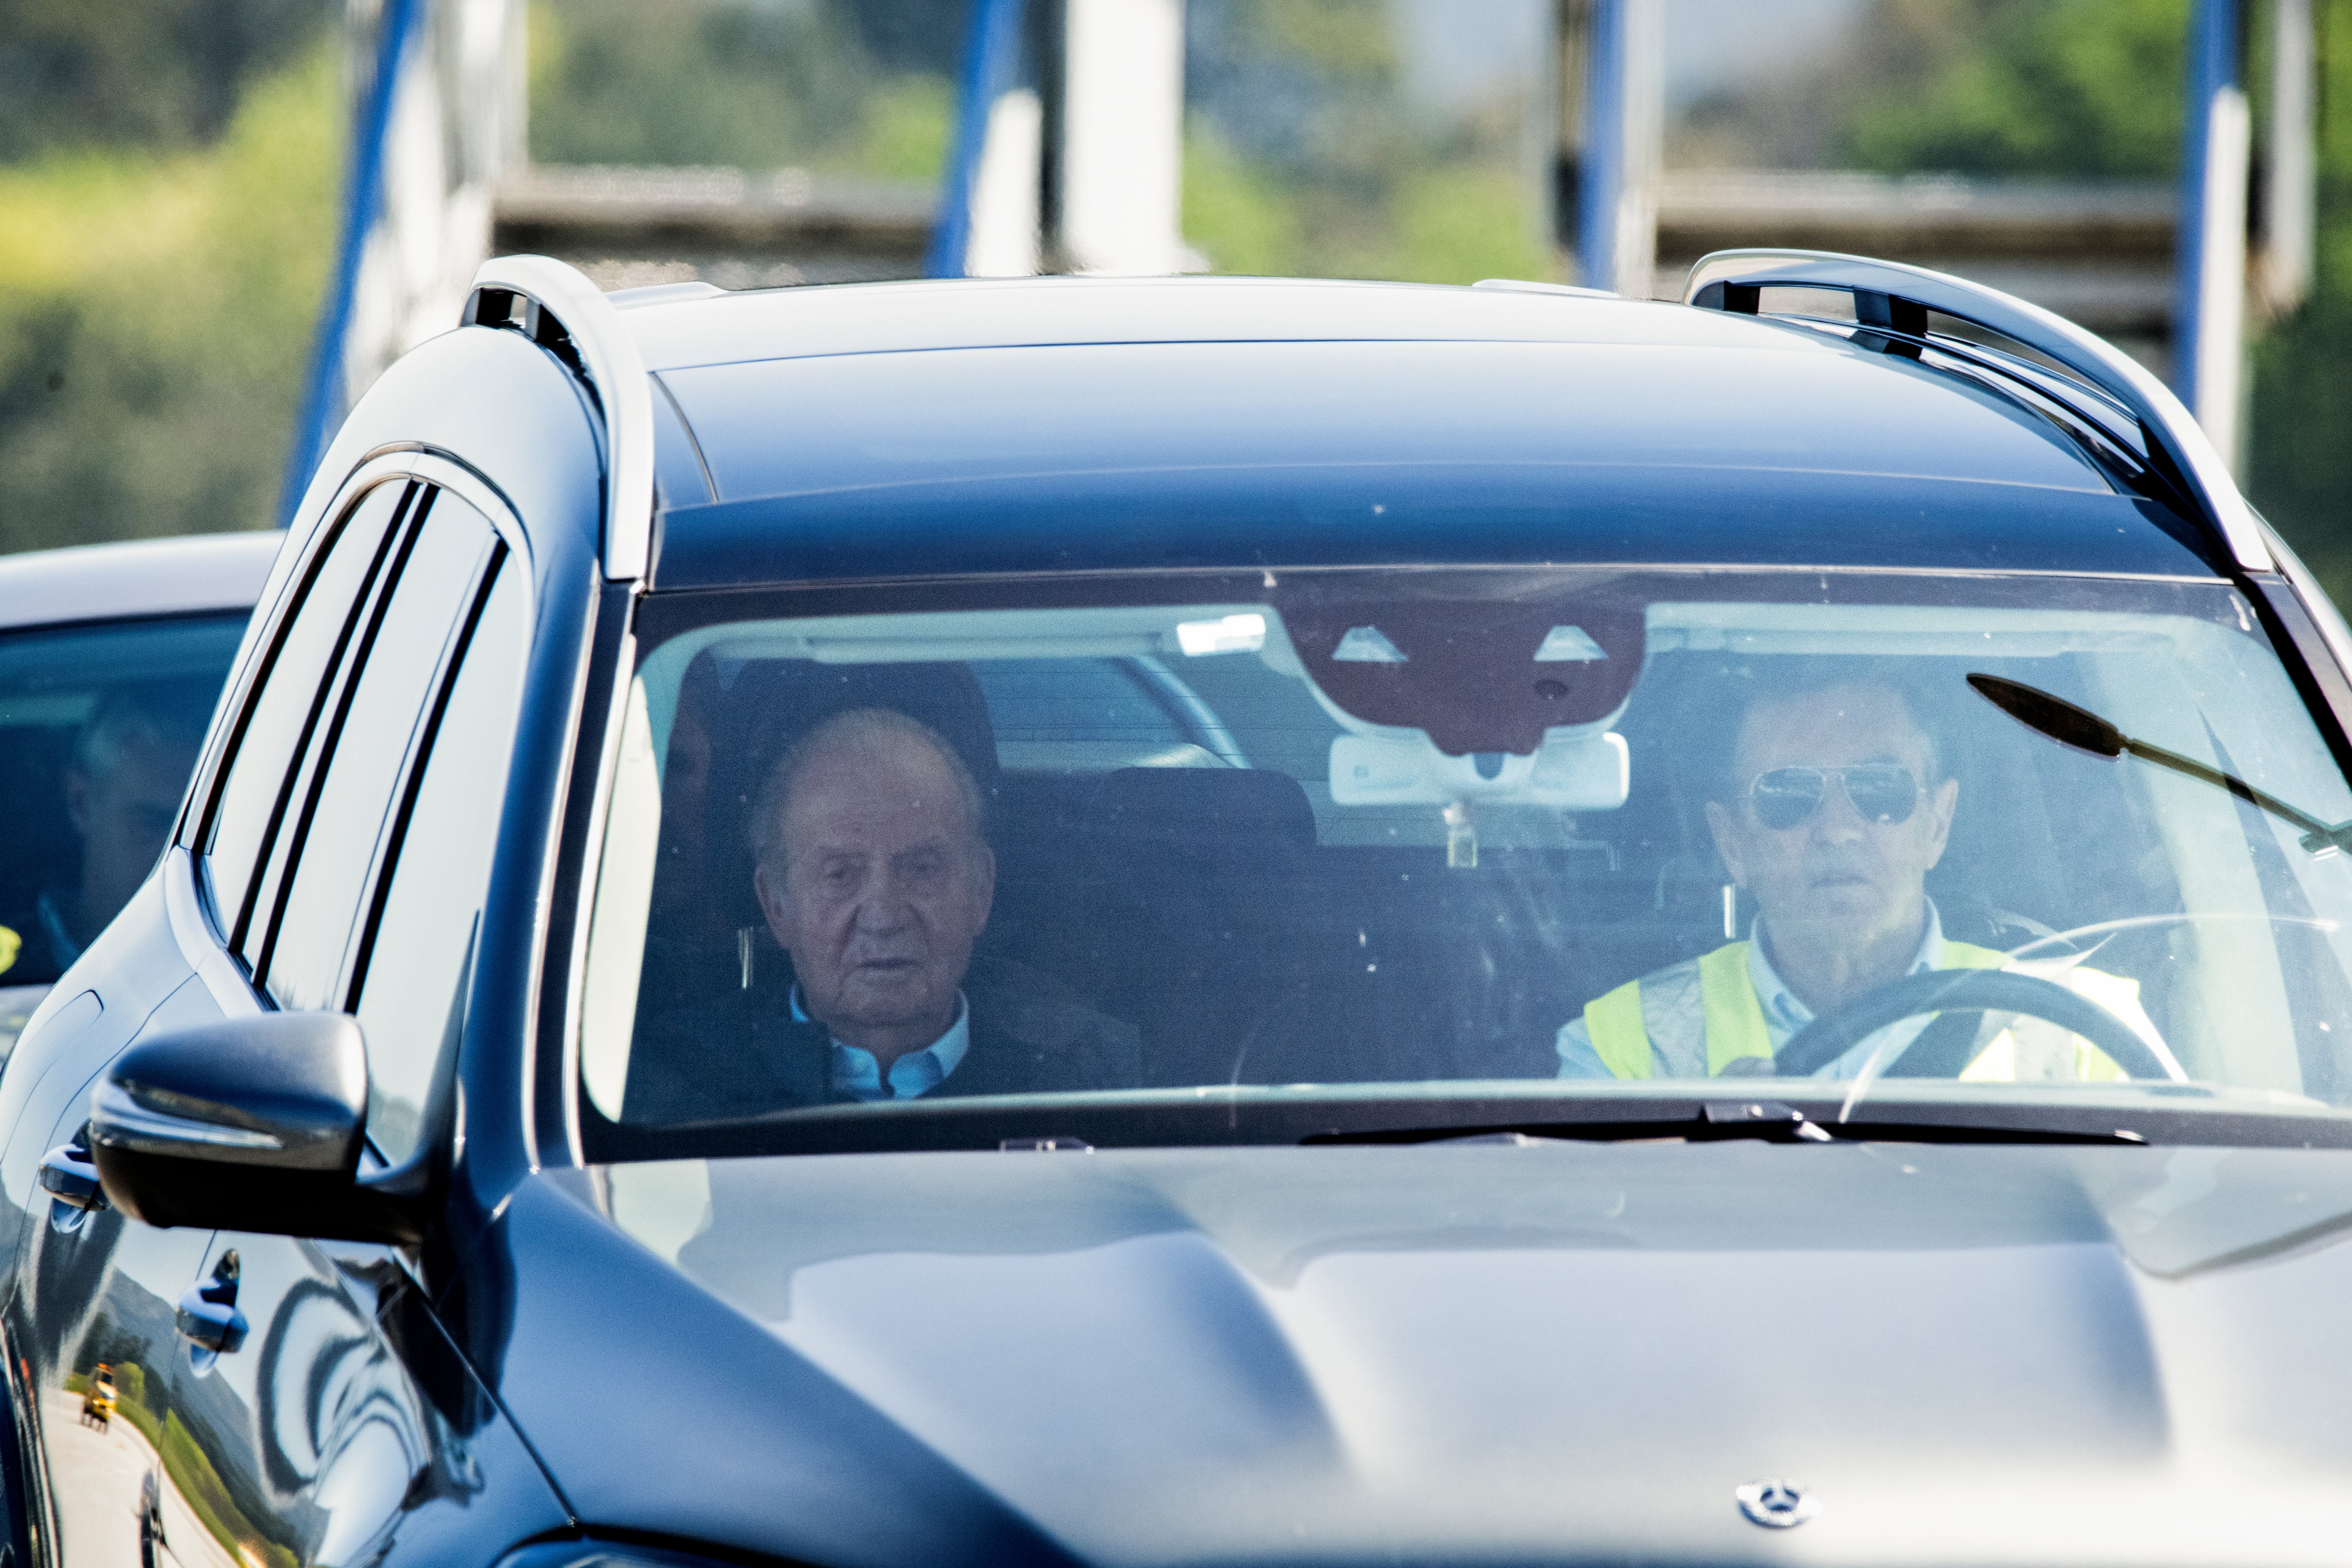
991, 55
363, 198
1602, 189
2213, 70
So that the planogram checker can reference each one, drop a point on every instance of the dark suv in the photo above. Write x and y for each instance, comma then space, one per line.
1225, 921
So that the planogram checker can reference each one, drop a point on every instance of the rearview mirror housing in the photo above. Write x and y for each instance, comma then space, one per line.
253, 1124
1571, 770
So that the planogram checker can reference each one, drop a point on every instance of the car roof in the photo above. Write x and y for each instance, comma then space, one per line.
680, 331
135, 579
1044, 423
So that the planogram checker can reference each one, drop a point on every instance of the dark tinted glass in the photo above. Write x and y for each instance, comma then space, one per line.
1267, 842
414, 965
335, 835
248, 811
99, 729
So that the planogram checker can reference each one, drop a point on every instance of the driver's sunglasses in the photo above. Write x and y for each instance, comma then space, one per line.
1881, 793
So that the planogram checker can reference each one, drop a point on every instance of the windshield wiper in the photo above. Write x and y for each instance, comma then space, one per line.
2086, 731
1718, 1121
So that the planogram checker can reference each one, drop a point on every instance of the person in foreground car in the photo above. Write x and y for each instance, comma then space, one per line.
875, 879
112, 658
1832, 809
130, 767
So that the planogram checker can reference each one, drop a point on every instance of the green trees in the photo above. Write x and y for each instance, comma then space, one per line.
2080, 88
1306, 152
160, 269
683, 82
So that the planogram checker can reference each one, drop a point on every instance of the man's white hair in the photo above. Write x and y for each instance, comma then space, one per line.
868, 729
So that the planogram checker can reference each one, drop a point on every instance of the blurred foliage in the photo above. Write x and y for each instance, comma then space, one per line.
2020, 88
155, 73
156, 305
2074, 88
699, 83
1304, 154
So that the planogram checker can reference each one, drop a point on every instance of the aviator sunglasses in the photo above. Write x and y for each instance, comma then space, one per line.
1882, 793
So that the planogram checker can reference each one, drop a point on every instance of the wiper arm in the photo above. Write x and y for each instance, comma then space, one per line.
1719, 1121
2086, 731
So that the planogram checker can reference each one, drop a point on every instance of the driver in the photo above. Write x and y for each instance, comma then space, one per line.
1835, 807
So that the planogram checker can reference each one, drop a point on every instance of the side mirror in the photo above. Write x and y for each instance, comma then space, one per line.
253, 1124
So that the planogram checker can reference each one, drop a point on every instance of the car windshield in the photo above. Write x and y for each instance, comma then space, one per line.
99, 731
1499, 846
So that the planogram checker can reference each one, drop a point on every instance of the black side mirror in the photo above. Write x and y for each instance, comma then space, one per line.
253, 1124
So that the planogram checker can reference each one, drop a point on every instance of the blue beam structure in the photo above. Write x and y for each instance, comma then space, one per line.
992, 58
1601, 188
396, 26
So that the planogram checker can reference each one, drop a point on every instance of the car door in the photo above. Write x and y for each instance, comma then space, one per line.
93, 1286
387, 856
265, 1414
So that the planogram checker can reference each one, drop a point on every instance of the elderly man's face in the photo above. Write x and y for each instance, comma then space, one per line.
883, 890
1837, 880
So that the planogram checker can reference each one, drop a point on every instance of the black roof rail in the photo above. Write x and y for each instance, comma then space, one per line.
1897, 298
558, 308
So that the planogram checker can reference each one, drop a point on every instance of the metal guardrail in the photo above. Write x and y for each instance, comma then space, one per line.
1898, 298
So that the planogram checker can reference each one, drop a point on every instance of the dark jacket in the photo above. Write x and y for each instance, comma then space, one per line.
747, 1054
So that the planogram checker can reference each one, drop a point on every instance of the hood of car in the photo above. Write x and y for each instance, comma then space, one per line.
1551, 1351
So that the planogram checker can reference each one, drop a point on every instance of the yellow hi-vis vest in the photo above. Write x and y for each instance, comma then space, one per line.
1734, 1017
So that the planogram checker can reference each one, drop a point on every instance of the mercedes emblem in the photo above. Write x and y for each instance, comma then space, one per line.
1780, 1504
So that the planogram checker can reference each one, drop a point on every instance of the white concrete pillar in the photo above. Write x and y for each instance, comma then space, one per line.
1123, 136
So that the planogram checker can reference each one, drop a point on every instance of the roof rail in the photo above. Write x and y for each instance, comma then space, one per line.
558, 308
1890, 294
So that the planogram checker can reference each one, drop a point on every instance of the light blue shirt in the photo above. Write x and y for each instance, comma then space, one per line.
859, 1075
1784, 1014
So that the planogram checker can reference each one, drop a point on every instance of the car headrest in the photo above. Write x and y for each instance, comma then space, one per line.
1227, 815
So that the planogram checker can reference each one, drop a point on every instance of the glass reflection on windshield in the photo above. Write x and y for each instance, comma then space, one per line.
1435, 827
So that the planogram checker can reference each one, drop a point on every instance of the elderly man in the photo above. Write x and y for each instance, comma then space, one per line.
1834, 811
875, 879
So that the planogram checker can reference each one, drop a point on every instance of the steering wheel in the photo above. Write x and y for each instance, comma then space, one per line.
1945, 1052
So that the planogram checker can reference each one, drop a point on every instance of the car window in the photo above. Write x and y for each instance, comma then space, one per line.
413, 962
250, 804
334, 830
99, 728
1437, 826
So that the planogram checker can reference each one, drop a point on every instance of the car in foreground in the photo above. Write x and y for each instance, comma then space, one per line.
1226, 920
112, 658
